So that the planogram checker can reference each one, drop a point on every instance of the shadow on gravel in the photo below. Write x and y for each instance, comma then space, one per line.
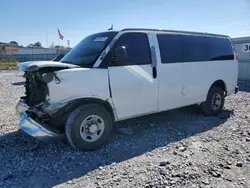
30, 163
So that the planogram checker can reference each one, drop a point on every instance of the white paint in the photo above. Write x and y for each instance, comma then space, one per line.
22, 67
80, 83
184, 91
183, 84
196, 78
246, 47
134, 90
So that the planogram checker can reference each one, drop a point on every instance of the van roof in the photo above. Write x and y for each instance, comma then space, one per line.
173, 31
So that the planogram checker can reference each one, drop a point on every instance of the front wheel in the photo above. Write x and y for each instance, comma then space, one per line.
89, 127
214, 102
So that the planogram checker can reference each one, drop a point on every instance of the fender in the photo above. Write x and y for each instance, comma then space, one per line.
67, 105
219, 83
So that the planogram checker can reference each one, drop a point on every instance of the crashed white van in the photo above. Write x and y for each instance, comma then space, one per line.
116, 75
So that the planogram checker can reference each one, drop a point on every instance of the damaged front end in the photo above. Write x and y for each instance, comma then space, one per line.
36, 90
34, 120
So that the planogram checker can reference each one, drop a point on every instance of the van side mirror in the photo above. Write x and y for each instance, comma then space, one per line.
120, 55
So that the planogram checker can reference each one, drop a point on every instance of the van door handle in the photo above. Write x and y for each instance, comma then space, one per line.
154, 72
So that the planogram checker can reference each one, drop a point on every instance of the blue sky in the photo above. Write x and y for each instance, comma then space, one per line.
26, 21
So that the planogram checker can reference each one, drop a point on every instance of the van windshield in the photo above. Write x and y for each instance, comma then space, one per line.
86, 52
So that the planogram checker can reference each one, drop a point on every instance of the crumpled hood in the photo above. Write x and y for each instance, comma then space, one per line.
25, 66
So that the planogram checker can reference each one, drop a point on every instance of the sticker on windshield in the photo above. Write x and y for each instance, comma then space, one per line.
100, 39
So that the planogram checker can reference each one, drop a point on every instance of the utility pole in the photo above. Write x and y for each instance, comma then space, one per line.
47, 40
68, 42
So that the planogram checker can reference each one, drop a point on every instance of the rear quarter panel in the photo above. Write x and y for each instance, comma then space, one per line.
196, 78
227, 71
231, 76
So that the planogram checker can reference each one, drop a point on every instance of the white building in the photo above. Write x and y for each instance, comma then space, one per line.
242, 46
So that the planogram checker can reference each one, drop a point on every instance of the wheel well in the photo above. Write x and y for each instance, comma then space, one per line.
221, 84
78, 102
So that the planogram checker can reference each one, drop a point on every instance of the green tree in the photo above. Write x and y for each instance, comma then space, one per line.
57, 46
37, 44
13, 43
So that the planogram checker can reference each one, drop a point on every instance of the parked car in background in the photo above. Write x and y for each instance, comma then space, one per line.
115, 75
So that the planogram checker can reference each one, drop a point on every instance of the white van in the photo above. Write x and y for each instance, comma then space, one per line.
116, 75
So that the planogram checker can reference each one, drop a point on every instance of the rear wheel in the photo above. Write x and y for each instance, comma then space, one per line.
89, 127
214, 102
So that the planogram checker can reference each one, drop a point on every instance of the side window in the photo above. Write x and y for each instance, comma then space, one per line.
170, 48
195, 48
221, 49
137, 47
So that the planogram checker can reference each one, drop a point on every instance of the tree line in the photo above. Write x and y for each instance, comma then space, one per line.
35, 45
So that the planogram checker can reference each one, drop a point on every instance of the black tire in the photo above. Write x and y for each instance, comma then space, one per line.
206, 107
73, 124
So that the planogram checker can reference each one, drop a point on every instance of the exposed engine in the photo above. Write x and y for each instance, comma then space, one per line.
35, 89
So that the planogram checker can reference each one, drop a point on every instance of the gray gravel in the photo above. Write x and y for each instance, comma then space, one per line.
179, 148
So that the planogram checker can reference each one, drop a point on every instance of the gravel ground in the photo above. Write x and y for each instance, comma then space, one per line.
179, 148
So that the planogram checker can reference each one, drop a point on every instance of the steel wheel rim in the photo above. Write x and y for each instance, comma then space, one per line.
216, 101
92, 128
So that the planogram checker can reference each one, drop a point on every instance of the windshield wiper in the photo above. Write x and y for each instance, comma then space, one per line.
70, 62
85, 65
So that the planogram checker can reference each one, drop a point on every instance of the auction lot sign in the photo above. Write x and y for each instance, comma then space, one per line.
246, 47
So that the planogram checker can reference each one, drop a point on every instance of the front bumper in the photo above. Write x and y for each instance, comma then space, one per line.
21, 107
40, 131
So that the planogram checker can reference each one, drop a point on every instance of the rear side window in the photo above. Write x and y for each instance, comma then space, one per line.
193, 48
221, 49
169, 48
